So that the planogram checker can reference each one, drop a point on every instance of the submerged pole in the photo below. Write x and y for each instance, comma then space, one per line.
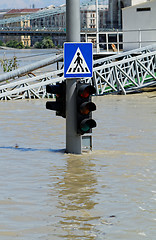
73, 140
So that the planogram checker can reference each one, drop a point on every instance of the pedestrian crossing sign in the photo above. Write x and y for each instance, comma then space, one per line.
78, 60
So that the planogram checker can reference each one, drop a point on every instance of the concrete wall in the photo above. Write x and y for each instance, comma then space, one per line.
139, 25
135, 2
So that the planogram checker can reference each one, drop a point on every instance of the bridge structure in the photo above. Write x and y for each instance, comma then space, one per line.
50, 19
52, 22
121, 73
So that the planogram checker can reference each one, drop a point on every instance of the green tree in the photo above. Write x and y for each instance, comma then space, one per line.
20, 45
14, 44
45, 43
37, 45
1, 43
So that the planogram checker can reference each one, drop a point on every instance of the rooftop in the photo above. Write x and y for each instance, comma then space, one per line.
24, 10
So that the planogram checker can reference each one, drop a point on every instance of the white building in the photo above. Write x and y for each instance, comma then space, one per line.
139, 28
115, 11
88, 16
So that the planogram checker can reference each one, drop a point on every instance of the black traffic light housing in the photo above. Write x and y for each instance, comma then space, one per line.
85, 106
60, 104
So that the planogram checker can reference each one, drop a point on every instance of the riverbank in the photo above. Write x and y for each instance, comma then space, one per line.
6, 48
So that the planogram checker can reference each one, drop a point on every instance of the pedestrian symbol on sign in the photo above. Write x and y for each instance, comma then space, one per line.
78, 60
78, 64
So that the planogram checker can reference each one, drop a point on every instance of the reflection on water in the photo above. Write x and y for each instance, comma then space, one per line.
16, 147
77, 189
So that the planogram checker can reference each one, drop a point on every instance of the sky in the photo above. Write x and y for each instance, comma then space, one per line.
28, 3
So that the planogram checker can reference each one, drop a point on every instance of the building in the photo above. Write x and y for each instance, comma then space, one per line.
88, 16
115, 11
25, 39
139, 28
3, 12
109, 18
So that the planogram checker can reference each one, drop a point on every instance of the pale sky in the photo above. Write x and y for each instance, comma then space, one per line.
28, 3
9, 4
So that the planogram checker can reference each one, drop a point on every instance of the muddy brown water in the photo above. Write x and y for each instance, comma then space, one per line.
109, 193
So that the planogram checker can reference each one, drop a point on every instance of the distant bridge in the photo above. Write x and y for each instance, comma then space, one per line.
119, 74
51, 22
58, 35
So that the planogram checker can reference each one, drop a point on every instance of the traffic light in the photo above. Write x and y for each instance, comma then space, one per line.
60, 104
85, 106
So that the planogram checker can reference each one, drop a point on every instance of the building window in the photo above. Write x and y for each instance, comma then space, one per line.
143, 9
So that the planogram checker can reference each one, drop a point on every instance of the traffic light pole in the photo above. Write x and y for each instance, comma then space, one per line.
73, 140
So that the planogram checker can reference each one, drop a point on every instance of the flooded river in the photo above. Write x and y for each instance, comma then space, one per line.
28, 56
109, 193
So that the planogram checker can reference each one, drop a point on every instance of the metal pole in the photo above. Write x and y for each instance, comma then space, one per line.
73, 20
119, 14
111, 14
118, 43
73, 140
139, 31
97, 28
107, 43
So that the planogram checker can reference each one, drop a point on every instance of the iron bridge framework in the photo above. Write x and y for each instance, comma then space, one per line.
119, 74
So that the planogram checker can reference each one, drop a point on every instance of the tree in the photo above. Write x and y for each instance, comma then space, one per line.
14, 44
1, 43
45, 43
20, 45
37, 45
